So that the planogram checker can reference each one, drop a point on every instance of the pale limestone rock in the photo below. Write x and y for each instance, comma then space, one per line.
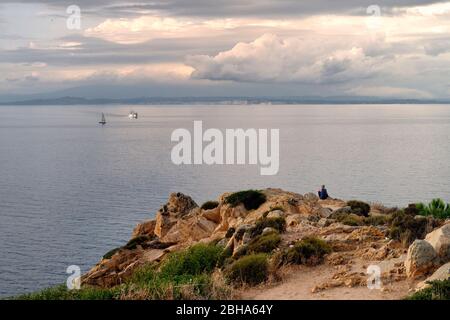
276, 214
146, 228
440, 241
420, 259
443, 273
212, 214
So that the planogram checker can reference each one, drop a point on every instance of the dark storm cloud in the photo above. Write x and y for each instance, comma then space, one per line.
224, 8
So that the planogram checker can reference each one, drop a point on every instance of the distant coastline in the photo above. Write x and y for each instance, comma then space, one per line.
220, 101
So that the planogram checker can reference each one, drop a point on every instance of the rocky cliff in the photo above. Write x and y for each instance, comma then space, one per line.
357, 238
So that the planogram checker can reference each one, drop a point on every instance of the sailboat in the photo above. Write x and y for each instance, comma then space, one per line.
103, 121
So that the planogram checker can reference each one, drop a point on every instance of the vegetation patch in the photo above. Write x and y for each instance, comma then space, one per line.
252, 269
251, 199
438, 290
309, 251
377, 220
278, 224
61, 292
437, 208
261, 244
198, 259
358, 207
407, 228
208, 205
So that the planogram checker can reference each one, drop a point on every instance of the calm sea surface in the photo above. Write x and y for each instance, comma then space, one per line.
70, 190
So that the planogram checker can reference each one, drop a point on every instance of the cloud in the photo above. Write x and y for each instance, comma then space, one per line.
270, 58
228, 8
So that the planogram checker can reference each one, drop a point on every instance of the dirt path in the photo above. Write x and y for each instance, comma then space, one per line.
299, 281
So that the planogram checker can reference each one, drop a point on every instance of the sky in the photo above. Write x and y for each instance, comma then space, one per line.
393, 49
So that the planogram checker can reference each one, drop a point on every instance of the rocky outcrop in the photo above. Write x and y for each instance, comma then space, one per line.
420, 259
178, 206
180, 223
146, 228
440, 241
442, 273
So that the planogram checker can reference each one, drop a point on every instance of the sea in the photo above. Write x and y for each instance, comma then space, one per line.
72, 189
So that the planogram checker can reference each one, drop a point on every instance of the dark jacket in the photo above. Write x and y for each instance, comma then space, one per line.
323, 194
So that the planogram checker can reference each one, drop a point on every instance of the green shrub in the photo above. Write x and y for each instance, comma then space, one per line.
198, 259
378, 220
310, 251
155, 285
437, 208
208, 205
251, 199
62, 293
411, 210
358, 207
438, 290
252, 270
261, 244
406, 228
278, 224
225, 257
110, 253
352, 220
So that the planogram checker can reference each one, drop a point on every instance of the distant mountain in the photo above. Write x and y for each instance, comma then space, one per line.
220, 100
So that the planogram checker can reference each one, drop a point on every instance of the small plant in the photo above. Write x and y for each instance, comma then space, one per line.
251, 199
309, 251
352, 220
437, 208
360, 208
198, 259
208, 205
438, 290
378, 220
261, 244
225, 257
252, 270
278, 224
407, 228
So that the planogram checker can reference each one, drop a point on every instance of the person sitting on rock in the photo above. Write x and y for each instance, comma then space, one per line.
323, 193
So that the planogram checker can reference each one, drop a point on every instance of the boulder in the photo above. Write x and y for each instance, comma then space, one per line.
420, 259
268, 230
146, 228
440, 240
179, 205
311, 197
324, 212
276, 214
443, 273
